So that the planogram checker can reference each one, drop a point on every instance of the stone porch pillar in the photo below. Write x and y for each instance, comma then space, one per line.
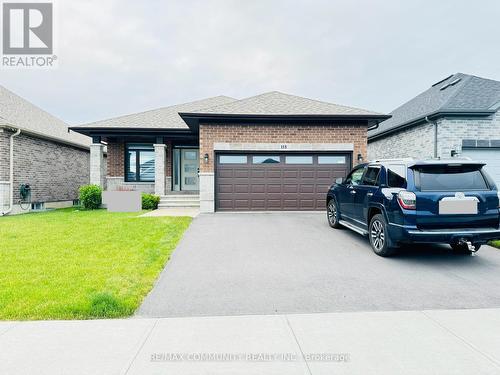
160, 161
97, 164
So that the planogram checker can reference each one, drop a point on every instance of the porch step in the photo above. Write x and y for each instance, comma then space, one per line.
186, 200
180, 197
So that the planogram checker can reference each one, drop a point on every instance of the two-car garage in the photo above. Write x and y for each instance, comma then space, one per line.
275, 181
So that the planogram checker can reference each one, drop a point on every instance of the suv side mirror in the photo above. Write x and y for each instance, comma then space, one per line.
339, 180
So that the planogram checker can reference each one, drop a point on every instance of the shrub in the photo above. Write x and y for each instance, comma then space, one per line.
91, 196
150, 201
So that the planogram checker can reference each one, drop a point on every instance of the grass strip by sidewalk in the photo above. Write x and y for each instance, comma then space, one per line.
495, 243
73, 264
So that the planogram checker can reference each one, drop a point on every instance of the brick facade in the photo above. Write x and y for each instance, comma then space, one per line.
55, 171
279, 133
419, 141
451, 132
116, 158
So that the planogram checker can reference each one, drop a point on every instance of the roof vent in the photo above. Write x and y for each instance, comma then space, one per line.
437, 83
454, 82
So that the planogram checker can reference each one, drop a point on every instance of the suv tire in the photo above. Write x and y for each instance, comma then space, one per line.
332, 214
379, 237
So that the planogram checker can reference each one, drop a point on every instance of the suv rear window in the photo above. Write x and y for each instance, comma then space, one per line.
451, 178
396, 176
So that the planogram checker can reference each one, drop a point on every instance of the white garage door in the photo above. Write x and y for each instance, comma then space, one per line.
490, 157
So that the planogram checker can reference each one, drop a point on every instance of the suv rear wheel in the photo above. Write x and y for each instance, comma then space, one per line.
332, 214
379, 237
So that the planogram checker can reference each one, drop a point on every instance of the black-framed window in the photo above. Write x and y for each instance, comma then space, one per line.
139, 162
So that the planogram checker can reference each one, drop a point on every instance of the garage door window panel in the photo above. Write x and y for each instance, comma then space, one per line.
265, 159
233, 159
299, 159
331, 159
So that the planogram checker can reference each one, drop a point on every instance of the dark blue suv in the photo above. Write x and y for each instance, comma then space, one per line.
408, 201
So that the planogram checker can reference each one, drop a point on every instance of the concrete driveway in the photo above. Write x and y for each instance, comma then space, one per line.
238, 264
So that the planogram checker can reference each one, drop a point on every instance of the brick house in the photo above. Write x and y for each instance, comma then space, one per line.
456, 116
268, 152
54, 162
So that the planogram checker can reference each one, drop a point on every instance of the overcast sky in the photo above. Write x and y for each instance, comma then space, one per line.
124, 56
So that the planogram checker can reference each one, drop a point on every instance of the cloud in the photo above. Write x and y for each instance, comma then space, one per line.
125, 56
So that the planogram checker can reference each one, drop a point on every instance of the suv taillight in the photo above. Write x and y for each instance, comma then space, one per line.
407, 200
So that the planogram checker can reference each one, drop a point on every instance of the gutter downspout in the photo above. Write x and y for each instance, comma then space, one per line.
11, 177
435, 135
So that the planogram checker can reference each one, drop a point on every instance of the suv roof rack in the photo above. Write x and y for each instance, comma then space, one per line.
395, 159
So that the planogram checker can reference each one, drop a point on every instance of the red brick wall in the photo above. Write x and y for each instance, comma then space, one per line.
168, 160
116, 158
275, 133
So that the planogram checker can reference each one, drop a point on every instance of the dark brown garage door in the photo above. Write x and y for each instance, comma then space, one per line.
275, 181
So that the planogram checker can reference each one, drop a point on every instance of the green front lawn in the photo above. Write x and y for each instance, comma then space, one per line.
495, 243
71, 264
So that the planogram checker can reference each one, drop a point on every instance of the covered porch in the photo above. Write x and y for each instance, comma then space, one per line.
161, 164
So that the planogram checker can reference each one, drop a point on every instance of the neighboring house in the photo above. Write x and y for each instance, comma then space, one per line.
456, 116
54, 162
268, 152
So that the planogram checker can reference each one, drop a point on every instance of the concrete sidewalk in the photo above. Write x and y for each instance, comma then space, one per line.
409, 342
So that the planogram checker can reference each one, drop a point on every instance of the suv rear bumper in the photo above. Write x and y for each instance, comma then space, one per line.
476, 235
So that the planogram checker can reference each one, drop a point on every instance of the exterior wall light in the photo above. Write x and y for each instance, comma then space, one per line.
360, 158
205, 158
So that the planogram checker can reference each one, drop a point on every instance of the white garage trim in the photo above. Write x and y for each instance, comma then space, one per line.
282, 147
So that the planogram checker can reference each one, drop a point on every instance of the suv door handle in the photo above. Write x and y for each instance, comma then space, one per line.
353, 191
369, 194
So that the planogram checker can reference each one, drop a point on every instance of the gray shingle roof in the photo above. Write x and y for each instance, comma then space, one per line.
457, 93
19, 113
279, 104
161, 118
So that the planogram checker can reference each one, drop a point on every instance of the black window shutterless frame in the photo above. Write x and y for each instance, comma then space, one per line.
137, 149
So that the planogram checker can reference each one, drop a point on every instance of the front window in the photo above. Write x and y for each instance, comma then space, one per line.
139, 162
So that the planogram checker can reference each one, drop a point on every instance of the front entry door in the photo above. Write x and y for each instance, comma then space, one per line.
189, 169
